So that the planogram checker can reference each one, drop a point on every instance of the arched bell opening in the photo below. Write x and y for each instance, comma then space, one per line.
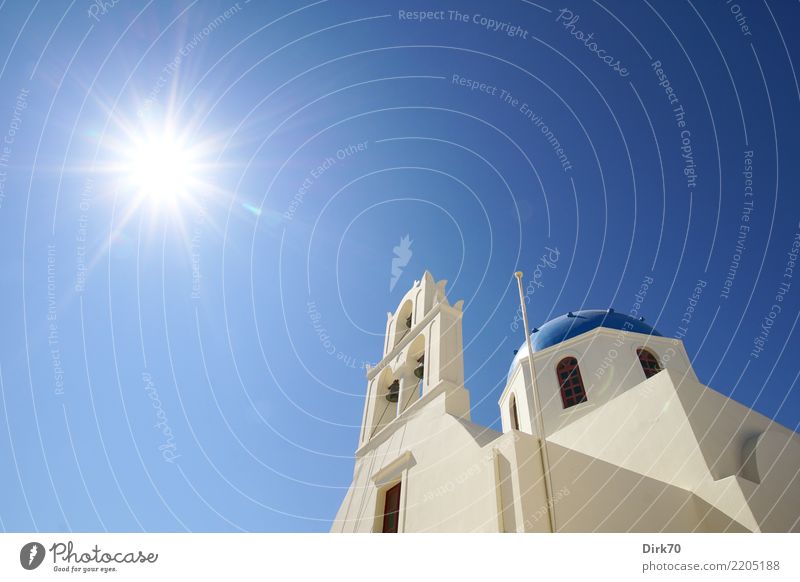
403, 321
416, 370
384, 408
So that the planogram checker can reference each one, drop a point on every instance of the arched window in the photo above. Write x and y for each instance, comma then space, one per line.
649, 362
514, 414
569, 378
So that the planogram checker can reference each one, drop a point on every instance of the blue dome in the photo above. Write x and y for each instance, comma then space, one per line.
576, 323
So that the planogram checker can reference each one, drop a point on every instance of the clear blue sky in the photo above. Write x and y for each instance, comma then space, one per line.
200, 367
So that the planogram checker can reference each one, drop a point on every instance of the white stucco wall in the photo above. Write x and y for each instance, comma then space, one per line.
660, 454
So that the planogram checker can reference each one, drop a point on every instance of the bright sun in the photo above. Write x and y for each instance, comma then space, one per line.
160, 170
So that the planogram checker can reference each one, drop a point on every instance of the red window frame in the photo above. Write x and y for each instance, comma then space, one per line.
391, 509
569, 379
649, 362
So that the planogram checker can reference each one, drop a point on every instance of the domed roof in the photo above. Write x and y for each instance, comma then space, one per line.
575, 323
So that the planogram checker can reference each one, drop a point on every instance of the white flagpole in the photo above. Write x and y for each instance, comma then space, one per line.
548, 486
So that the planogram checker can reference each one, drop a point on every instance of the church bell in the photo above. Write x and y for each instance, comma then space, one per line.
394, 391
419, 371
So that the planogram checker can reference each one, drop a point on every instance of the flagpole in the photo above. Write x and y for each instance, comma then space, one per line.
548, 487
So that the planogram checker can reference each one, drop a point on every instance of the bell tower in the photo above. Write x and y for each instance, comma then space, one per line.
422, 365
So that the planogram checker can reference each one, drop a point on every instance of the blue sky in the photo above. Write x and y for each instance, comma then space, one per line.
198, 365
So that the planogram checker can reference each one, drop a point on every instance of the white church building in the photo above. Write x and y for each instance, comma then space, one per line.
629, 439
